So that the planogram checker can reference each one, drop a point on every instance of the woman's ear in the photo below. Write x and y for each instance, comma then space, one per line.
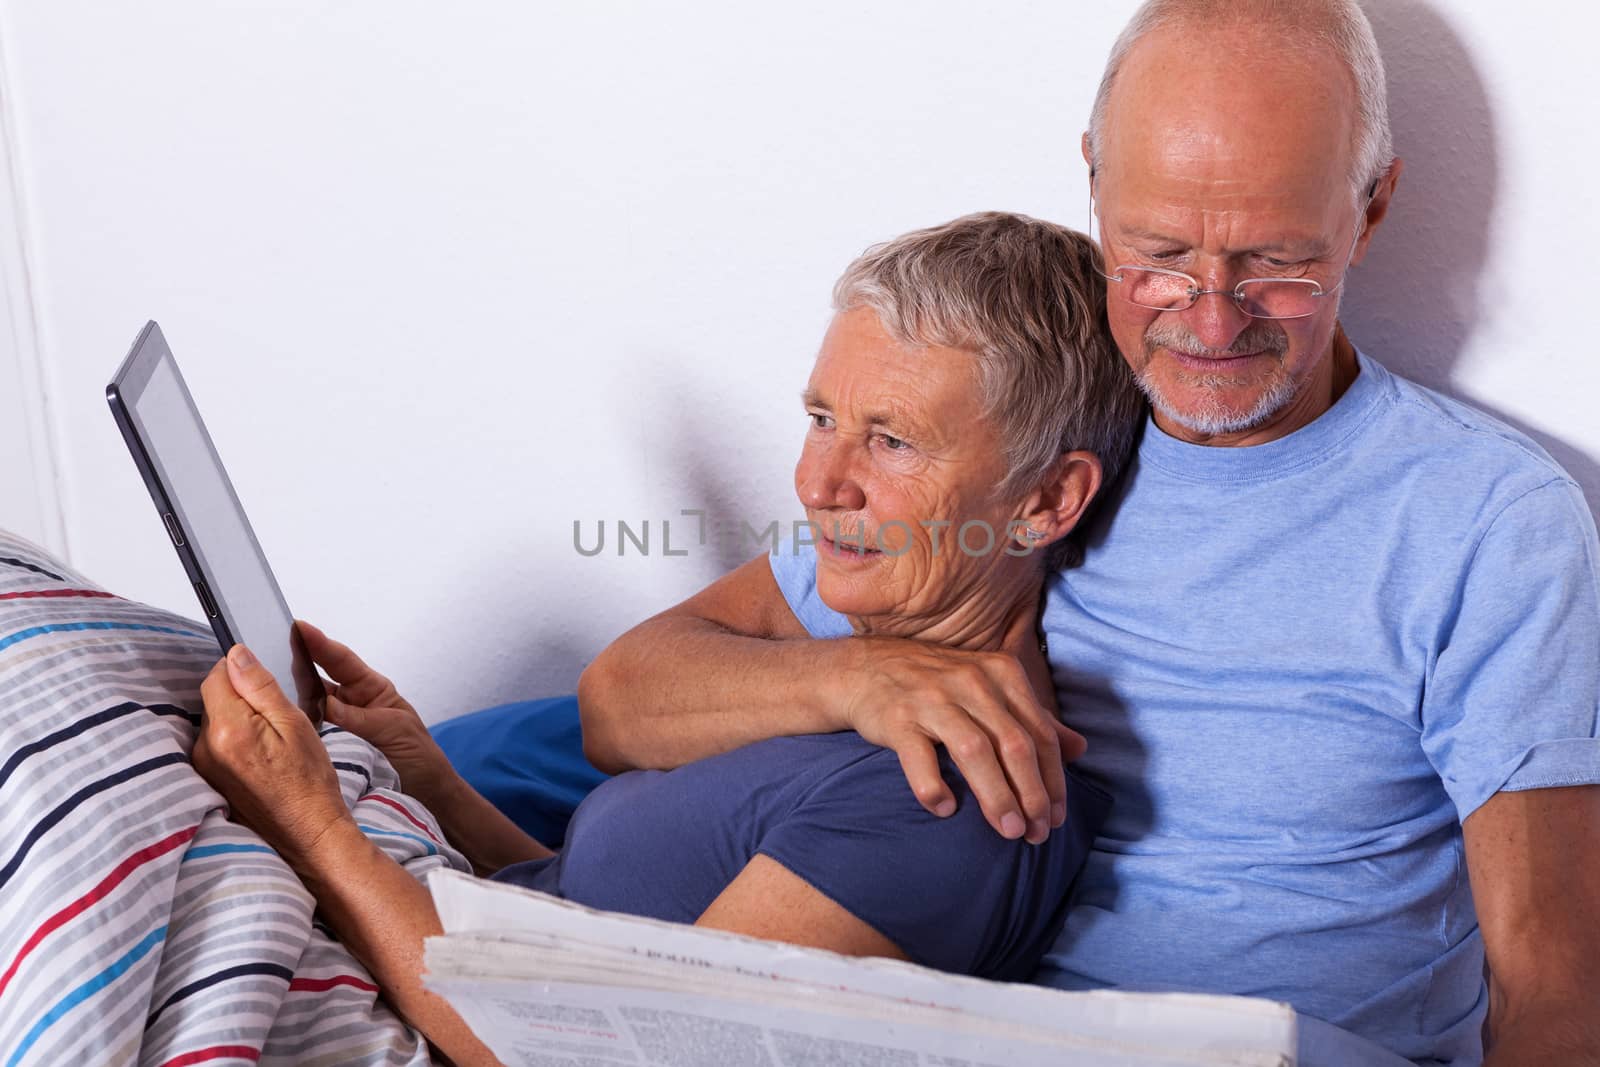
1054, 509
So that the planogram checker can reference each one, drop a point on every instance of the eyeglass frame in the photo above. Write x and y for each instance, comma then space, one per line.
1195, 292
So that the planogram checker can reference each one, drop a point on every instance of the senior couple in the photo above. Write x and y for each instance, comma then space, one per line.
1328, 643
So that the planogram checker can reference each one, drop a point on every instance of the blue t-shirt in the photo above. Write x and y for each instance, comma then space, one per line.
1299, 667
837, 811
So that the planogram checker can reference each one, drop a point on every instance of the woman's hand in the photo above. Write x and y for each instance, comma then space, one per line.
367, 704
263, 755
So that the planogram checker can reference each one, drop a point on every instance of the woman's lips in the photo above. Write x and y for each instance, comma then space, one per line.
847, 549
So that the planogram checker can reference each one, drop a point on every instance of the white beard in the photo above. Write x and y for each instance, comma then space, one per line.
1210, 418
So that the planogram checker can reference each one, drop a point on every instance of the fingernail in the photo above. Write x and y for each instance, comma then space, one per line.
1058, 813
945, 808
240, 657
1037, 832
1011, 825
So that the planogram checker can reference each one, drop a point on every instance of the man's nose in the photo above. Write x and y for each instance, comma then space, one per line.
826, 479
1216, 319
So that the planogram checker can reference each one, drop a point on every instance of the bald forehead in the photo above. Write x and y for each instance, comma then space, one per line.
1235, 107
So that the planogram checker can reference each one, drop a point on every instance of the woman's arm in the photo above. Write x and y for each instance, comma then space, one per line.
769, 900
262, 753
367, 704
382, 914
483, 833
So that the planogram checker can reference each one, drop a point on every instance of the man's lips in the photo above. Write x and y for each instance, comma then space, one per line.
1211, 364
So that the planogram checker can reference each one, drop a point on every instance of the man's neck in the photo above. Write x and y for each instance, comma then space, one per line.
1335, 373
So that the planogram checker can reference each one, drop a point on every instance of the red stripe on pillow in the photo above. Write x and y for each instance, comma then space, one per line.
107, 884
322, 985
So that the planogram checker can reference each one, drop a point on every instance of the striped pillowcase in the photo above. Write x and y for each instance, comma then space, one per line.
138, 925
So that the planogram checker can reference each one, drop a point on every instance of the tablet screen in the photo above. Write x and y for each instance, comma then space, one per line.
238, 587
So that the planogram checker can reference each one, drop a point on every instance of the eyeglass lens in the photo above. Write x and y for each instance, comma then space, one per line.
1262, 299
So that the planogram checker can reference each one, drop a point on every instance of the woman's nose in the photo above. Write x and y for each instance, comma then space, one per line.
824, 479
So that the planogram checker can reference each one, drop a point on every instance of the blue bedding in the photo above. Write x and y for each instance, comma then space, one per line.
526, 759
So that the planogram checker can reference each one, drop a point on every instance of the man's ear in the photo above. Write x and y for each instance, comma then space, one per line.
1378, 209
1088, 156
1056, 507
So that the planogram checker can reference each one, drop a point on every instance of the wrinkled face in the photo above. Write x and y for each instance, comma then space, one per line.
1224, 167
898, 454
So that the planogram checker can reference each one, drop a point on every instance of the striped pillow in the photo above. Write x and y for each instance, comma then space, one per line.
136, 923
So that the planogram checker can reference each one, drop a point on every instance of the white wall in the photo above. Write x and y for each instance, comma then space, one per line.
446, 278
29, 503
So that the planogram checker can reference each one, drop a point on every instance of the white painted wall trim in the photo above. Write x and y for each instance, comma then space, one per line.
23, 371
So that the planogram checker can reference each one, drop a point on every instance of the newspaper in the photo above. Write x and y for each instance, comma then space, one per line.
547, 983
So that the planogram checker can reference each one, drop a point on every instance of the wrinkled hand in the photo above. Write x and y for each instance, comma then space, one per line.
911, 696
367, 704
263, 755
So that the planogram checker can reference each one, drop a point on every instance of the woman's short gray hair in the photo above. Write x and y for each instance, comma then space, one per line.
1027, 299
1339, 26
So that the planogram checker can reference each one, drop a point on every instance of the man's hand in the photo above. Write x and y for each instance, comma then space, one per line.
263, 755
732, 665
367, 704
911, 696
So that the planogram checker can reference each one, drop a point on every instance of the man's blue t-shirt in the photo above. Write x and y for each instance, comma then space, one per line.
1299, 666
836, 811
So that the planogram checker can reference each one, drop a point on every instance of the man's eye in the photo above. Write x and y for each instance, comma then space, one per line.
892, 442
821, 422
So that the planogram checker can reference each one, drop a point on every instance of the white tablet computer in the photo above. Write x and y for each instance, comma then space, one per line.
196, 502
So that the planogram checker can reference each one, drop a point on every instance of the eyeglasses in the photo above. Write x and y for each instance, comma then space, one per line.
1160, 289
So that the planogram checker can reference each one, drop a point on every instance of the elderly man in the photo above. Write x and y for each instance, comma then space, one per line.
1336, 649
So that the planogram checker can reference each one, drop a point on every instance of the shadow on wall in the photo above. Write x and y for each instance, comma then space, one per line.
1418, 298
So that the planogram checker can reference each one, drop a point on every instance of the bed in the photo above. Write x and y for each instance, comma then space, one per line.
137, 924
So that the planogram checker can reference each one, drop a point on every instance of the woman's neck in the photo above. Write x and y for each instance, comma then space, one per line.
1002, 617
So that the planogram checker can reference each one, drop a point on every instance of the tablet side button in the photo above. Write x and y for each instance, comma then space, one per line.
172, 528
205, 599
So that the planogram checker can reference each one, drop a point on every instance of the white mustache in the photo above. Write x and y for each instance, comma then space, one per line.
1257, 337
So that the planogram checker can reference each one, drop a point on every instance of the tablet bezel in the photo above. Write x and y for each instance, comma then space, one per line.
123, 395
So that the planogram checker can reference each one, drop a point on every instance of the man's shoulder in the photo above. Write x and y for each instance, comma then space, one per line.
1429, 432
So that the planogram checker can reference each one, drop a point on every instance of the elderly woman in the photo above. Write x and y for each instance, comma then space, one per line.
964, 410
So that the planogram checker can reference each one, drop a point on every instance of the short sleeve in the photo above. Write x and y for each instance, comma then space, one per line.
951, 893
1514, 695
795, 570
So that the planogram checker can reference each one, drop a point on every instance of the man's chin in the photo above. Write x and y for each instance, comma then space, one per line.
1221, 405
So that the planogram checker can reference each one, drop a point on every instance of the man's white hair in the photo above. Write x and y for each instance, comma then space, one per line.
1319, 25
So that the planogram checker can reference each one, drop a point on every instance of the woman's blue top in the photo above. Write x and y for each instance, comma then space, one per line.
836, 811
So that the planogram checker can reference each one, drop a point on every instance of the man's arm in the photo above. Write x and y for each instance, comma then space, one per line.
728, 666
1534, 861
732, 665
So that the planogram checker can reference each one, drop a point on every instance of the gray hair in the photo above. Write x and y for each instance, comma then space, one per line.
1027, 299
1337, 25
